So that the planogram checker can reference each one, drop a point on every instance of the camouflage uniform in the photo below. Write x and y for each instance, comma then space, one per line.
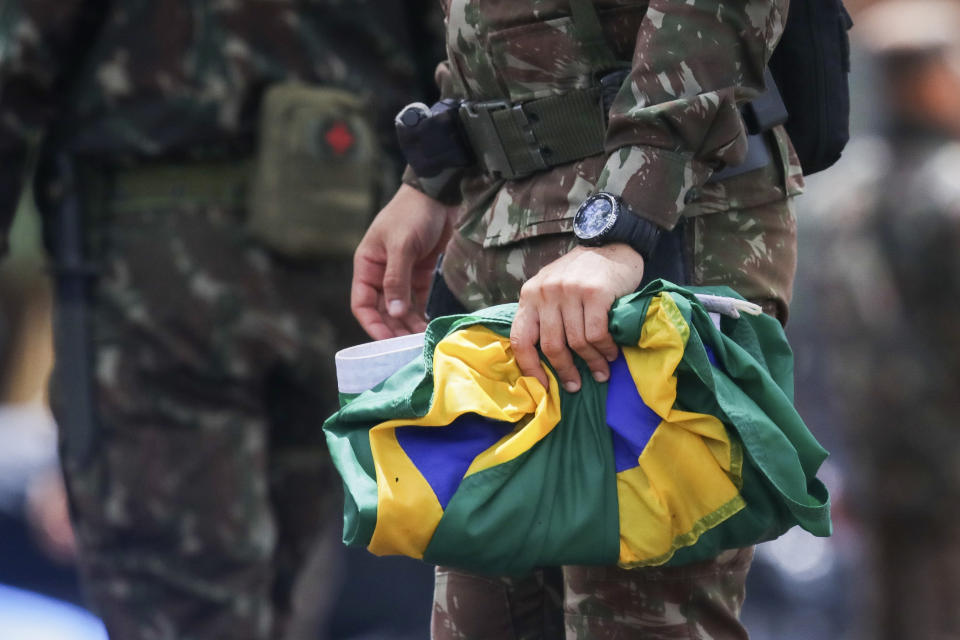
207, 480
674, 121
888, 294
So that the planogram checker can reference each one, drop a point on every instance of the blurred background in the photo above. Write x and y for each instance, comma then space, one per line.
876, 331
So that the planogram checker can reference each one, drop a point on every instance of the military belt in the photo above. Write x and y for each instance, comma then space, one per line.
513, 140
158, 185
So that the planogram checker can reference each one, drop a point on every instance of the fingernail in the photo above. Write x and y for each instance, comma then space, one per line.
613, 357
395, 307
600, 376
571, 387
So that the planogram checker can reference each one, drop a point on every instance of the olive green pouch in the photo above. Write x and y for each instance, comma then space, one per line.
316, 181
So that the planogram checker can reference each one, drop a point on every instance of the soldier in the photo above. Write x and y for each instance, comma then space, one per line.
886, 229
509, 229
207, 167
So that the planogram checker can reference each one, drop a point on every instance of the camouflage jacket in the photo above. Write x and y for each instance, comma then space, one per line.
674, 121
122, 79
882, 288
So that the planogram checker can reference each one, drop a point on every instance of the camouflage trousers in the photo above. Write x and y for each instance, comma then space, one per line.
207, 482
698, 601
753, 250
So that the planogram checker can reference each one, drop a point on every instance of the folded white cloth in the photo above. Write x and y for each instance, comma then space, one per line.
366, 365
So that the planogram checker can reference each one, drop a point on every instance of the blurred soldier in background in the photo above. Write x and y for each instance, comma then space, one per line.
206, 169
886, 225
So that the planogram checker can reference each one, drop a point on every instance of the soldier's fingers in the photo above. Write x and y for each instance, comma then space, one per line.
422, 275
573, 324
418, 308
366, 293
365, 303
397, 276
553, 343
395, 325
597, 329
415, 320
523, 340
369, 262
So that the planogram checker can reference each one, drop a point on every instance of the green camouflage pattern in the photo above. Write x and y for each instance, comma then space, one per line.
742, 234
884, 283
123, 80
467, 606
512, 50
700, 601
209, 481
674, 121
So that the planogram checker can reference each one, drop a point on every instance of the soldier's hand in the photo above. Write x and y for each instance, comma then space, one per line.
566, 305
393, 265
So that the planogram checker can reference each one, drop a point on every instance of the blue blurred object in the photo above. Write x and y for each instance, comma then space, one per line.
29, 616
28, 451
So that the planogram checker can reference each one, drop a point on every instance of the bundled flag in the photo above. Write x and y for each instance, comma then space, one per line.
693, 446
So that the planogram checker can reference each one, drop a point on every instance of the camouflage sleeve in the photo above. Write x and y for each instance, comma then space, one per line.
447, 189
36, 38
676, 118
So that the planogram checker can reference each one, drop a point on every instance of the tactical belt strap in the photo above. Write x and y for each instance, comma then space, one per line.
512, 141
162, 184
589, 32
516, 140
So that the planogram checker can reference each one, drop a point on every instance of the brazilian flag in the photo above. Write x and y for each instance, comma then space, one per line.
692, 447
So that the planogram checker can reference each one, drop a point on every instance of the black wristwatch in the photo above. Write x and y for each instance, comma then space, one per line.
603, 219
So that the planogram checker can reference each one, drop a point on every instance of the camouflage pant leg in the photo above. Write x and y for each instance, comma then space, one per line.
700, 601
209, 479
472, 607
696, 602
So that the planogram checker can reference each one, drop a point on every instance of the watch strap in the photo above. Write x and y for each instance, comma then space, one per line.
641, 234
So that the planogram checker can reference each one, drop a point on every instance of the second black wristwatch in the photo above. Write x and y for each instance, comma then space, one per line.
603, 219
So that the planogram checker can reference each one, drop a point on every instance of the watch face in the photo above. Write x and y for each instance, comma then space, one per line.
596, 215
